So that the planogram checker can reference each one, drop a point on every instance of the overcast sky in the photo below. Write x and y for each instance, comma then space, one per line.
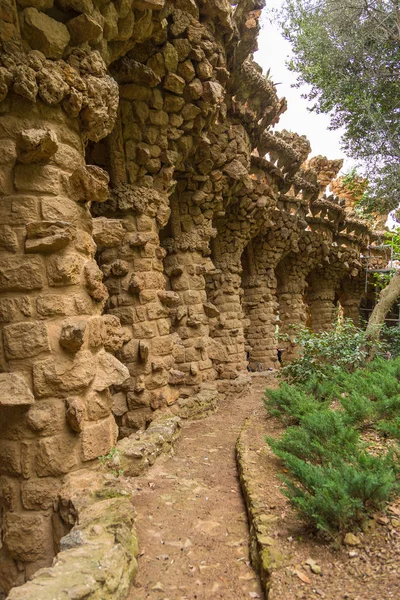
273, 52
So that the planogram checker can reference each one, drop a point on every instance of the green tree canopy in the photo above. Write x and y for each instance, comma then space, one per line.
348, 51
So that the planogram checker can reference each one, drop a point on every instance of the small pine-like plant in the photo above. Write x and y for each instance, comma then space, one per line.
337, 497
290, 403
333, 481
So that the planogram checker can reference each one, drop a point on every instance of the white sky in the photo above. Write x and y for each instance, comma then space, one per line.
273, 53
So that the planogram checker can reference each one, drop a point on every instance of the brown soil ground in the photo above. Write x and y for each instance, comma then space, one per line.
193, 531
191, 519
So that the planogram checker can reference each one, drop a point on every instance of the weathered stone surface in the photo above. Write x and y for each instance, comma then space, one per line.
64, 269
75, 413
72, 336
91, 544
94, 282
56, 455
138, 454
45, 237
46, 417
14, 390
26, 536
44, 33
109, 372
84, 28
36, 146
198, 406
149, 4
89, 184
24, 340
8, 239
98, 438
174, 83
18, 276
39, 494
108, 233
119, 404
64, 376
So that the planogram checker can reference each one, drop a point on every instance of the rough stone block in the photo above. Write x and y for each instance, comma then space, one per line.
52, 378
89, 183
72, 335
14, 390
17, 275
9, 492
94, 282
51, 305
174, 83
64, 270
75, 413
46, 417
56, 455
108, 233
84, 28
8, 239
36, 146
109, 372
24, 340
39, 494
10, 458
35, 178
44, 33
27, 536
98, 405
46, 237
98, 438
119, 404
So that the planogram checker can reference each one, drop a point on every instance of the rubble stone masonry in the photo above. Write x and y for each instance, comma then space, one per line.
154, 232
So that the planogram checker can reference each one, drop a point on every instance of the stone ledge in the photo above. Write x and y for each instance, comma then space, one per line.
98, 556
264, 552
140, 450
238, 387
199, 406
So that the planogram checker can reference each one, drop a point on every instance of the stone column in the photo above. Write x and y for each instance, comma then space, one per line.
186, 270
259, 302
321, 301
227, 331
351, 292
292, 274
131, 259
56, 368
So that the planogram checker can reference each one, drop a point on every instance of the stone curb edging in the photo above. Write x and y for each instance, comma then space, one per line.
264, 553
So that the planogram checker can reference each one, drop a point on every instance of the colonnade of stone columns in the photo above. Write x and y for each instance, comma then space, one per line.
147, 245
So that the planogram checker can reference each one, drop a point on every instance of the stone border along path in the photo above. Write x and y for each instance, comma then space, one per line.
191, 519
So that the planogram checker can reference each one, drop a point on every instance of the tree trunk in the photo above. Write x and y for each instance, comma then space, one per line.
387, 297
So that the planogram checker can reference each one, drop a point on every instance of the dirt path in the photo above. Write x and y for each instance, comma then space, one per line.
191, 519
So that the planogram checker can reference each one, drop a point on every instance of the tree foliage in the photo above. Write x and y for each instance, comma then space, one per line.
348, 51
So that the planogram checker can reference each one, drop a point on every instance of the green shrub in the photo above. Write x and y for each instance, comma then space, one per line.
333, 482
336, 498
322, 437
290, 403
342, 349
358, 409
390, 428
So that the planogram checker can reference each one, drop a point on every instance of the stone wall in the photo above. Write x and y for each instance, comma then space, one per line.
154, 231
